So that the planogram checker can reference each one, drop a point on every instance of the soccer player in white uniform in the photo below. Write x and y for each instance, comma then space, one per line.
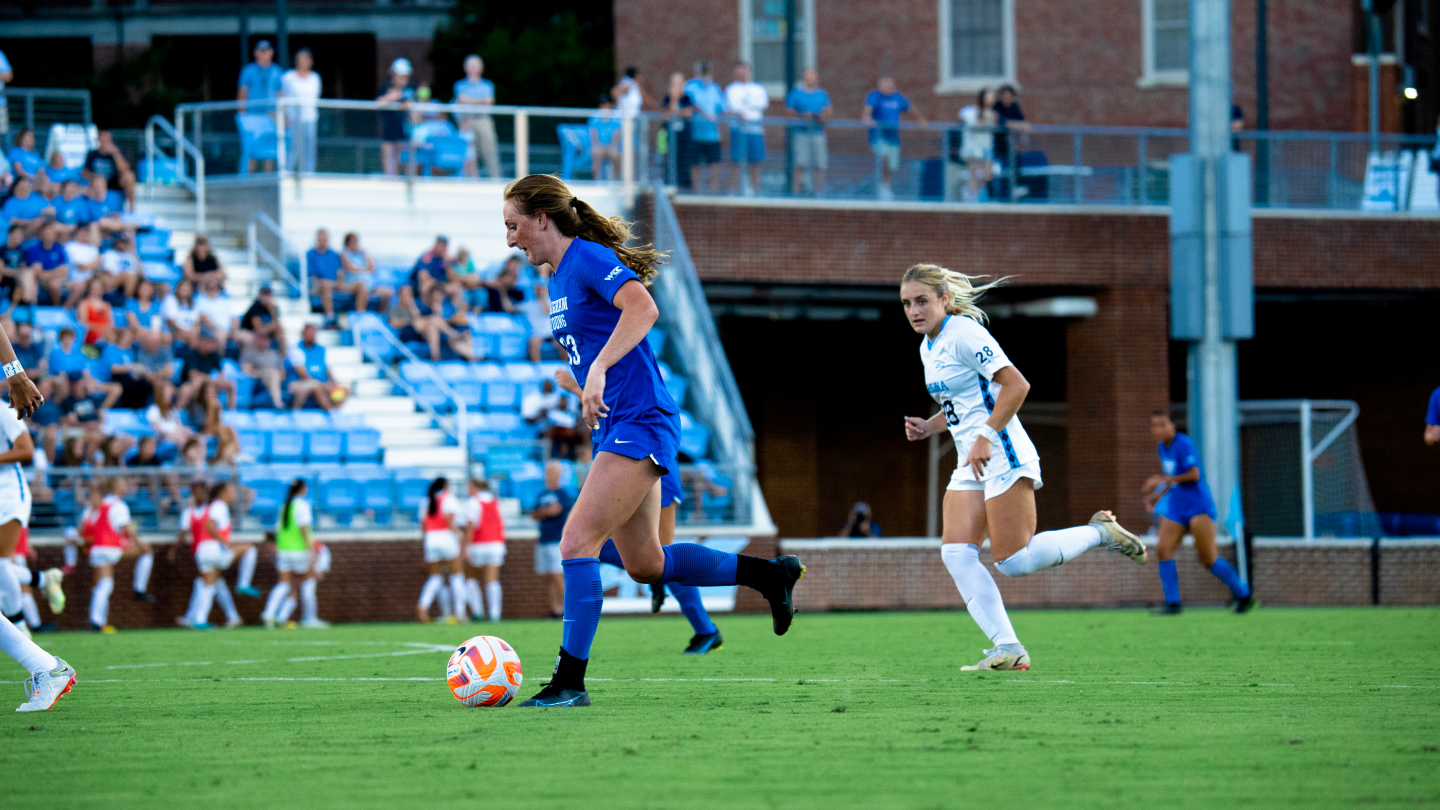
992, 492
439, 513
50, 677
295, 553
110, 536
484, 533
210, 528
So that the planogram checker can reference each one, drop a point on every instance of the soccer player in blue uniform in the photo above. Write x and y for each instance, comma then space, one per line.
600, 312
1182, 500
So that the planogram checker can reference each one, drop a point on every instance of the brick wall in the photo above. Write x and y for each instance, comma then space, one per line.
1077, 61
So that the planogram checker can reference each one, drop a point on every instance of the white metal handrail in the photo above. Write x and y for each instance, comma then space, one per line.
458, 427
259, 252
182, 146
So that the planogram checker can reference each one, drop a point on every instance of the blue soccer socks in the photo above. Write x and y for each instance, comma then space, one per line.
583, 597
1226, 573
694, 564
1169, 582
689, 598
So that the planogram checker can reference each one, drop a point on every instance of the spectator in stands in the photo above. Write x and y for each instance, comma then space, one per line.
1432, 419
106, 162
1013, 130
553, 415
859, 524
122, 264
604, 132
977, 143
392, 121
474, 89
307, 360
101, 210
14, 272
707, 102
46, 259
81, 420
409, 325
179, 314
156, 356
502, 295
630, 94
26, 207
551, 510
445, 324
432, 266
201, 262
29, 354
82, 253
117, 358
164, 418
263, 357
192, 454
227, 441
24, 160
71, 208
810, 103
56, 173
300, 87
359, 267
536, 309
261, 321
95, 313
746, 101
7, 75
46, 419
213, 309
65, 357
464, 275
327, 276
260, 84
884, 106
202, 367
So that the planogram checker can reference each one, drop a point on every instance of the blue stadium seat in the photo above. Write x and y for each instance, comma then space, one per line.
574, 149
526, 484
470, 392
502, 396
487, 372
53, 319
717, 507
410, 490
414, 372
362, 444
433, 395
694, 437
269, 496
162, 271
677, 387
522, 372
512, 346
324, 446
345, 421
374, 345
273, 420
240, 420
252, 443
377, 496
507, 457
447, 153
258, 140
656, 338
451, 370
310, 420
339, 496
507, 423
286, 445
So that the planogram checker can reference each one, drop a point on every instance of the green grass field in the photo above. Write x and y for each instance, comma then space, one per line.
1281, 708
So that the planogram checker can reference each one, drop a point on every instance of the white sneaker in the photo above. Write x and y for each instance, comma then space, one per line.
997, 660
315, 624
44, 689
231, 624
1117, 537
50, 580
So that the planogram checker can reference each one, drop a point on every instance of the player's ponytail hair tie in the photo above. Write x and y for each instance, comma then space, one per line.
575, 218
962, 291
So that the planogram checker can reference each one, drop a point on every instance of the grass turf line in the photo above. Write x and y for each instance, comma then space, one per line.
1281, 708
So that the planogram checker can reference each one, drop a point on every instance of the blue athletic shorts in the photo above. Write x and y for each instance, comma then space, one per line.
652, 434
1182, 507
670, 491
747, 146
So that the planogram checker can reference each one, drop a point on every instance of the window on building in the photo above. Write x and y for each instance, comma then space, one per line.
1167, 42
977, 44
762, 40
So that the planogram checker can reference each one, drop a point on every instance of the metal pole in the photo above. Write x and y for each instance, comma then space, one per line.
244, 33
789, 83
199, 192
932, 488
1372, 47
522, 144
1307, 470
282, 33
1262, 106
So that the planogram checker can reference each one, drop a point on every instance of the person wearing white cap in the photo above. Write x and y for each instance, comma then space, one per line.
392, 120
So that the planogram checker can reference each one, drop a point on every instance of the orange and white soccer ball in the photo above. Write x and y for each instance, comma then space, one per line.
484, 671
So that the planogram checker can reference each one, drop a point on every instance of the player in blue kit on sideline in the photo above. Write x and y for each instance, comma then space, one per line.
600, 312
1182, 499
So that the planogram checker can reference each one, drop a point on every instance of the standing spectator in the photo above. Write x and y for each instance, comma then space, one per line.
811, 104
431, 268
327, 275
1013, 127
201, 262
360, 268
300, 87
858, 523
473, 89
707, 102
26, 207
1432, 419
977, 143
551, 510
23, 158
677, 108
631, 98
106, 162
604, 129
307, 360
7, 75
46, 259
260, 83
747, 101
883, 108
392, 121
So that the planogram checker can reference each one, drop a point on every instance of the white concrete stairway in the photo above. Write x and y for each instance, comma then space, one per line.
409, 436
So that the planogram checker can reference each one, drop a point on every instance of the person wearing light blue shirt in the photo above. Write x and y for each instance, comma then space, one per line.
883, 108
707, 102
476, 90
604, 129
6, 75
811, 105
260, 81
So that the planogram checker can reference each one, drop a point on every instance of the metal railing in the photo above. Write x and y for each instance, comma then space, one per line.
182, 148
457, 427
298, 281
40, 107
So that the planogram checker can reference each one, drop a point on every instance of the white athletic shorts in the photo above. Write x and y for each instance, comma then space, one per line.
963, 480
480, 555
296, 562
213, 555
441, 545
15, 505
322, 560
22, 568
547, 558
105, 555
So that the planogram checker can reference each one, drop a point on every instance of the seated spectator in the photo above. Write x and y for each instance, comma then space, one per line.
95, 313
326, 270
450, 321
164, 418
82, 253
358, 266
23, 158
262, 320
164, 490
462, 271
502, 294
178, 313
56, 174
311, 374
202, 367
858, 523
227, 441
46, 260
405, 318
46, 419
104, 211
213, 309
66, 358
202, 263
117, 358
262, 356
430, 268
155, 355
604, 128
72, 209
553, 414
26, 207
28, 353
192, 454
80, 421
536, 309
535, 406
13, 270
107, 163
122, 264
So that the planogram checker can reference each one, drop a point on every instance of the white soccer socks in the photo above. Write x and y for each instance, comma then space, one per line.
492, 600
100, 601
10, 601
26, 652
977, 588
309, 607
204, 601
433, 583
276, 599
247, 568
1048, 549
31, 611
226, 601
143, 565
457, 593
473, 598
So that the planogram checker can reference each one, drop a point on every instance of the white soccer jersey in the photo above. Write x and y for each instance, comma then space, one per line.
14, 489
960, 366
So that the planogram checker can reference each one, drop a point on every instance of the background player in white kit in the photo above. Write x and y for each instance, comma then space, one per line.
992, 492
50, 677
439, 513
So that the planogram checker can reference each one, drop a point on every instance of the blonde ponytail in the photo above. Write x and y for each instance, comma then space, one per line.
960, 288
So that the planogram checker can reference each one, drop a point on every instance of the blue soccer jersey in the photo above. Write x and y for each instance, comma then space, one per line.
1183, 501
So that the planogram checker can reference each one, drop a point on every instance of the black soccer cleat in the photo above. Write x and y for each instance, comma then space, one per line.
704, 643
1170, 609
145, 596
781, 593
553, 696
1245, 604
657, 598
